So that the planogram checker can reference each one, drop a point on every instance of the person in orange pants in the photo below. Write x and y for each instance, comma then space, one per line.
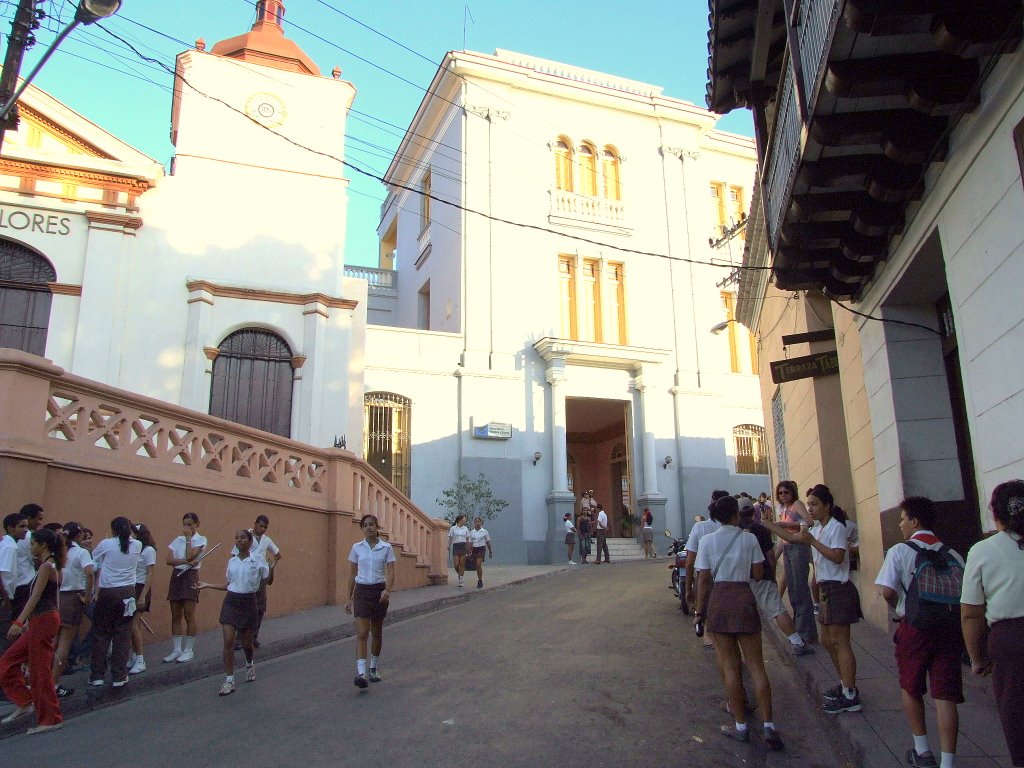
33, 633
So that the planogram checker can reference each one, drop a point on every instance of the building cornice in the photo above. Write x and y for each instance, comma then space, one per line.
596, 355
275, 297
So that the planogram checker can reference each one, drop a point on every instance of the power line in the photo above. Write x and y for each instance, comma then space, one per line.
432, 195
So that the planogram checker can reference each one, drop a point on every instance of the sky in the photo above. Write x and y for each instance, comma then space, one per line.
660, 42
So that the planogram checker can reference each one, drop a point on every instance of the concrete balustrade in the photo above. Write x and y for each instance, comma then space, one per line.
89, 452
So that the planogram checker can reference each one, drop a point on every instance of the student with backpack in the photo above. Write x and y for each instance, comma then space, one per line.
921, 579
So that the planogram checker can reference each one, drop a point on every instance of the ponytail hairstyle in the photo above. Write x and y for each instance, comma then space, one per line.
1008, 507
54, 542
72, 532
824, 495
121, 527
143, 534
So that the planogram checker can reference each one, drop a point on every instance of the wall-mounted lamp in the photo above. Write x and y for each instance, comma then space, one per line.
719, 327
537, 456
668, 460
339, 442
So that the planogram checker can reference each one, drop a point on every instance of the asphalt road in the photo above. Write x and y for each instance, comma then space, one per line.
591, 667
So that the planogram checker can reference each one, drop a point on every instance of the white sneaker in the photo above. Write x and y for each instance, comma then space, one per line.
172, 656
227, 689
572, 562
185, 656
250, 674
138, 666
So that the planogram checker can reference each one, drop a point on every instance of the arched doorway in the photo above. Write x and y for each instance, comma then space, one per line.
252, 381
597, 438
24, 298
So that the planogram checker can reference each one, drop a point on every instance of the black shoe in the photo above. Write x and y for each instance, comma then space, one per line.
361, 681
842, 704
731, 732
927, 760
372, 675
833, 693
772, 740
479, 583
63, 693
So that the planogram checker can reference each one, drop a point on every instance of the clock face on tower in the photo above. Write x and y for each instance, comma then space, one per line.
266, 108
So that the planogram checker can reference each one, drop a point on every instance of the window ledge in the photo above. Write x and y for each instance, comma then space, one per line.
571, 209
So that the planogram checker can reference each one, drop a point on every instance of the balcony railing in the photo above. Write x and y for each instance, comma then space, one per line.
384, 279
572, 206
815, 28
783, 154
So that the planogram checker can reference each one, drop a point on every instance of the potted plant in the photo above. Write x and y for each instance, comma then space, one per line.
627, 522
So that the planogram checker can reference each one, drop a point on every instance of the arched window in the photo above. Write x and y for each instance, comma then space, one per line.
563, 165
386, 447
610, 173
24, 298
252, 381
751, 456
588, 170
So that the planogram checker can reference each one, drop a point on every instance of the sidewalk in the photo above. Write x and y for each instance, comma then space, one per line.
278, 636
878, 736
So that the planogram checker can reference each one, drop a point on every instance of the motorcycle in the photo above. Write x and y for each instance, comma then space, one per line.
676, 553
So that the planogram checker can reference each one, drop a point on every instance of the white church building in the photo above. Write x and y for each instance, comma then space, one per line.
541, 312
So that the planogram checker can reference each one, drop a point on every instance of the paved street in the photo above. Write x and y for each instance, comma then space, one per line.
591, 667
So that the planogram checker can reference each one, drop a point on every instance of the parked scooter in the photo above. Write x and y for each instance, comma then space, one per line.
677, 564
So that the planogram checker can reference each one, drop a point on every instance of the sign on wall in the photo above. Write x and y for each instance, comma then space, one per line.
34, 221
809, 366
493, 430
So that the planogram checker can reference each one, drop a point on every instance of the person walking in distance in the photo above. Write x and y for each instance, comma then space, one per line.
265, 547
480, 540
584, 527
33, 632
373, 576
570, 536
183, 555
458, 538
927, 658
647, 534
240, 613
602, 535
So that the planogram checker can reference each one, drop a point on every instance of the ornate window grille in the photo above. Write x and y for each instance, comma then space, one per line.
779, 428
751, 458
24, 298
252, 381
386, 445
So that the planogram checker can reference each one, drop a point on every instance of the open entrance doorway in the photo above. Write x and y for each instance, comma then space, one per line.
598, 446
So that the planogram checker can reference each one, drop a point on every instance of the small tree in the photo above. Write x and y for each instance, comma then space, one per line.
472, 498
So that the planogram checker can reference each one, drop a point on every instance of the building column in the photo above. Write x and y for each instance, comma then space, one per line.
560, 500
197, 368
650, 497
309, 373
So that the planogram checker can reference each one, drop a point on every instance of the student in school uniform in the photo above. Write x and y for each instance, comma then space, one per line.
144, 575
373, 575
183, 555
480, 540
458, 536
33, 631
76, 588
26, 563
15, 529
265, 547
116, 560
240, 613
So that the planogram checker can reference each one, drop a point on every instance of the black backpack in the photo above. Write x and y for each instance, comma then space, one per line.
933, 597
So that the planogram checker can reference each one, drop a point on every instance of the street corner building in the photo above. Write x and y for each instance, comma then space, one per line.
555, 246
890, 143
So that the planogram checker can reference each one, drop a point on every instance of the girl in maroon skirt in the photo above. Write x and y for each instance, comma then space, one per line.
372, 562
726, 607
993, 591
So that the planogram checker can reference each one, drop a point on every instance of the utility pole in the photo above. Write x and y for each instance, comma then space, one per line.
20, 39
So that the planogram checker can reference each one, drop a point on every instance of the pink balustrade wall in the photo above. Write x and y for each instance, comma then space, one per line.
89, 452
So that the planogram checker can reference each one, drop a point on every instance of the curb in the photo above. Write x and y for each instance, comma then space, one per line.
165, 676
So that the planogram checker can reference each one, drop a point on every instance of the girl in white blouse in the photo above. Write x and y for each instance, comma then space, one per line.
726, 561
240, 612
458, 536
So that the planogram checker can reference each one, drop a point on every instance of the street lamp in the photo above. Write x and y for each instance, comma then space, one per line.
719, 327
89, 12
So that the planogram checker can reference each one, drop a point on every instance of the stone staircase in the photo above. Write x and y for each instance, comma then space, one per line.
620, 550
